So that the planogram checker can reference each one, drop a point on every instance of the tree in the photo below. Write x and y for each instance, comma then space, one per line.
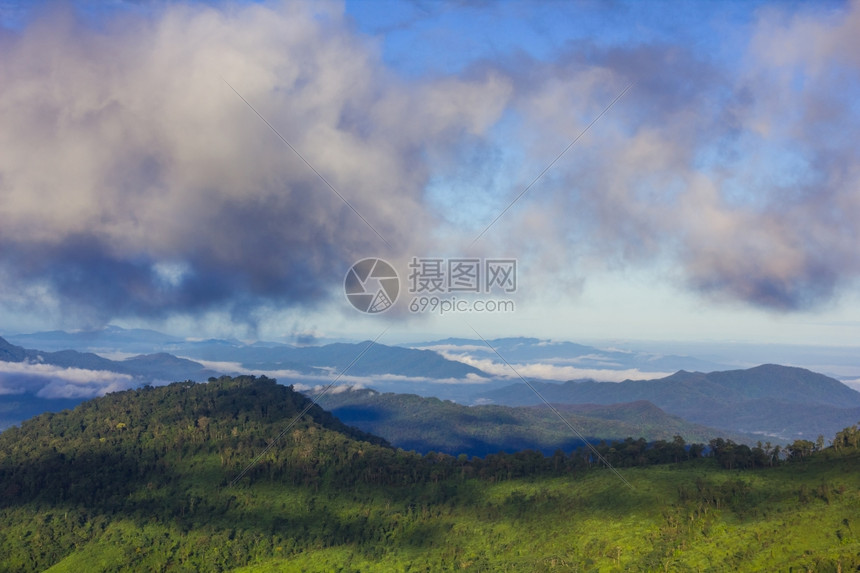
819, 443
800, 449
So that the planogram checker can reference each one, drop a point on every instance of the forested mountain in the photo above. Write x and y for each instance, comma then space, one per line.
770, 400
429, 424
146, 480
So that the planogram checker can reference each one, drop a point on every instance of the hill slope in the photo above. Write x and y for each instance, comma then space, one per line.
429, 424
140, 481
771, 400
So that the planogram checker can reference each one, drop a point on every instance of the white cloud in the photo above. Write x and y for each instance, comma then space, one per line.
286, 376
551, 371
741, 178
217, 365
853, 384
336, 389
591, 358
49, 381
455, 347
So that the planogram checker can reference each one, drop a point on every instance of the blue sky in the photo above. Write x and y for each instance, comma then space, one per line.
437, 37
716, 200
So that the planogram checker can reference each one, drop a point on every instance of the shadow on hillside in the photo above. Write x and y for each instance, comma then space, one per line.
118, 486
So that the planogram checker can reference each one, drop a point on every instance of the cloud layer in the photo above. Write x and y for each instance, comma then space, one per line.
48, 381
549, 371
135, 182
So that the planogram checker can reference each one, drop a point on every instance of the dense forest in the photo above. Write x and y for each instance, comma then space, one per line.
213, 477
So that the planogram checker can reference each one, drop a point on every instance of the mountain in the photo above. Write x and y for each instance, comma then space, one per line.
419, 370
147, 368
378, 360
400, 360
561, 353
35, 381
165, 367
429, 424
11, 353
774, 401
261, 355
108, 339
230, 476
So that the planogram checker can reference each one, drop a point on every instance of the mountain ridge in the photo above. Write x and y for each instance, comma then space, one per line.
429, 424
149, 367
771, 400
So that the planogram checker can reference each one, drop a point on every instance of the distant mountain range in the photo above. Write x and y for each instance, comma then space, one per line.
23, 389
429, 424
560, 353
146, 368
774, 402
265, 355
108, 339
378, 360
36, 381
770, 400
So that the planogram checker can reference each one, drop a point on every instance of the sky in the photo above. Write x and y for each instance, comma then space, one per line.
658, 170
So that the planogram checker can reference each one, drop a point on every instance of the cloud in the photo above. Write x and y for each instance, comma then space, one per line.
546, 371
739, 175
440, 348
48, 381
854, 384
288, 376
336, 389
135, 182
600, 359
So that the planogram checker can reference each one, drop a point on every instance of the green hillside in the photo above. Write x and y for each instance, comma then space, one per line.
428, 424
141, 481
